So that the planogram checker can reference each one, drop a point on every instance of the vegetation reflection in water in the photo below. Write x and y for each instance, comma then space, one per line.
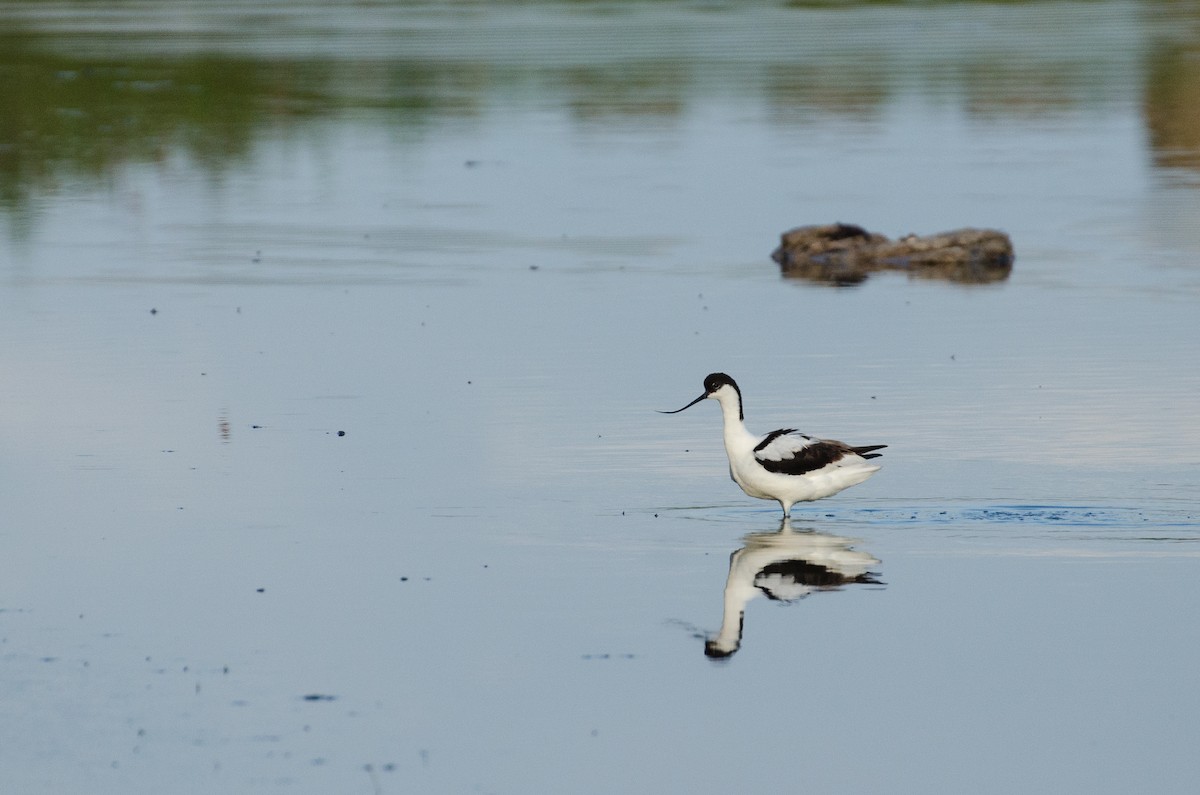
82, 118
84, 92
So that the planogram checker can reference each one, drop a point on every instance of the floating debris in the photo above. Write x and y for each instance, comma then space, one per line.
845, 254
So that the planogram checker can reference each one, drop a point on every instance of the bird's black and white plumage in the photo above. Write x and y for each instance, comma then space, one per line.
785, 566
784, 465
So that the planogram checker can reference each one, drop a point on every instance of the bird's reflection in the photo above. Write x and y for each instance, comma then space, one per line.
786, 566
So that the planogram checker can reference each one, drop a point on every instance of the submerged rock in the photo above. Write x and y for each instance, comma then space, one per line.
846, 254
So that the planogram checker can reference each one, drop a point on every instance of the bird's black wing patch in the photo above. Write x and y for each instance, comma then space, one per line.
804, 572
811, 457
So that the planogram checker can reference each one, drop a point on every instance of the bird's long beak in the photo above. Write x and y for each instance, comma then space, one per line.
688, 406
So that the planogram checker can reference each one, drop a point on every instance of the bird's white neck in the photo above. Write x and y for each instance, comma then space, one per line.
736, 435
739, 590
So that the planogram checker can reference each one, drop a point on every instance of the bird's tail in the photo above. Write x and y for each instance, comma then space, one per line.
867, 452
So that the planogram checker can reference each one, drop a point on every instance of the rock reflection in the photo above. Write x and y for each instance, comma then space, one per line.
785, 566
845, 273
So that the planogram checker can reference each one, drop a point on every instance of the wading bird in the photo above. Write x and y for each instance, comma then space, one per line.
784, 465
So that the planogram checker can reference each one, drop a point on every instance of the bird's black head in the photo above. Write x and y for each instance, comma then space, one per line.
714, 650
714, 381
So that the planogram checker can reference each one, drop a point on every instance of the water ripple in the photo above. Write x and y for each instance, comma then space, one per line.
1033, 514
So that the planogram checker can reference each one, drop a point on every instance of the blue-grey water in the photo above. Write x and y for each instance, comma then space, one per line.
333, 335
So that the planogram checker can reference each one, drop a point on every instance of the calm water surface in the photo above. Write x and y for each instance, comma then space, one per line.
332, 340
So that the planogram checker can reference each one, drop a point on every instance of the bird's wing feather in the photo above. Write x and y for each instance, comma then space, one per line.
792, 453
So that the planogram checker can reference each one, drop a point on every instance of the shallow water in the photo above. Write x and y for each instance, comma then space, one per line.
332, 343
